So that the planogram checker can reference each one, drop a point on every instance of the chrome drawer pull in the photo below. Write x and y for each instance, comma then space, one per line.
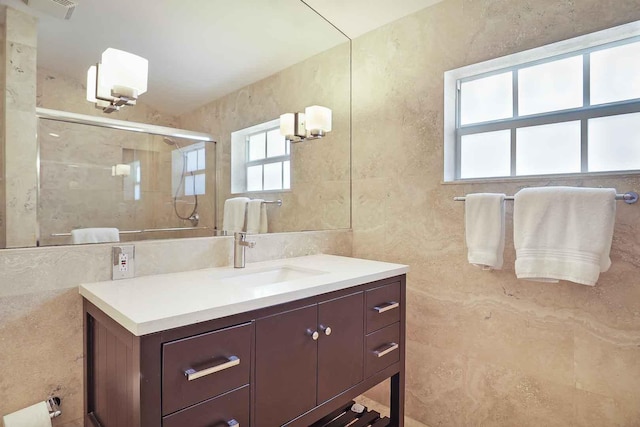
390, 347
233, 423
386, 306
192, 374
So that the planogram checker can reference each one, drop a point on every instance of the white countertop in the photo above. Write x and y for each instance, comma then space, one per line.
149, 304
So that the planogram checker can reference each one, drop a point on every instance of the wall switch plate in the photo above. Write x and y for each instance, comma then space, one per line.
123, 258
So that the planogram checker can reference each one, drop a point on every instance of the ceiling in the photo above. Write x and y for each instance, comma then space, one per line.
200, 50
356, 17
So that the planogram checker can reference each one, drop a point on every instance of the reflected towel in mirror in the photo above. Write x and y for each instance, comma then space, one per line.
257, 216
94, 235
234, 214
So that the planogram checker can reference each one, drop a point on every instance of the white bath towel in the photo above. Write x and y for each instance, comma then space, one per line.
234, 214
563, 233
484, 229
256, 216
94, 235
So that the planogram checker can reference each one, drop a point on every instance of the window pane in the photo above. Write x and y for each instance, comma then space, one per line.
136, 166
615, 74
548, 149
192, 161
257, 147
136, 192
254, 178
275, 143
286, 175
552, 86
273, 176
614, 143
489, 98
189, 184
200, 183
201, 159
486, 154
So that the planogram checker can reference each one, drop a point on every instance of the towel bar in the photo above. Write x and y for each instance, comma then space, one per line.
146, 230
272, 202
629, 198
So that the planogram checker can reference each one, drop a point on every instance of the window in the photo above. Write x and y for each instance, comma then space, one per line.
261, 159
550, 110
189, 170
133, 181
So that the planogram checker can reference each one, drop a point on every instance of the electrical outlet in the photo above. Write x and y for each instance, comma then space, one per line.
123, 262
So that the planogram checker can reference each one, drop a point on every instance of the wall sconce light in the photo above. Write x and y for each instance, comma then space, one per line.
314, 123
117, 80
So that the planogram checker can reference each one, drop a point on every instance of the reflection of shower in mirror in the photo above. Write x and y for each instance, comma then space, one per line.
193, 216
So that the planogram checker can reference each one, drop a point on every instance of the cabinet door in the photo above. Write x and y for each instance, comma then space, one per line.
286, 362
340, 353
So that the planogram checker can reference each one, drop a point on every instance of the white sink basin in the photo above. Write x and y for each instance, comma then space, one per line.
269, 277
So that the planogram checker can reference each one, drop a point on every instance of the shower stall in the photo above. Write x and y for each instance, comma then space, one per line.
147, 181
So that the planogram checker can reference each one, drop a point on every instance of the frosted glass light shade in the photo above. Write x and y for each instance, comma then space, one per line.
318, 118
287, 124
91, 83
120, 69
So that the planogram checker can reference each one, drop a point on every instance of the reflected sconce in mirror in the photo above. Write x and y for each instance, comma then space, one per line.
314, 123
117, 80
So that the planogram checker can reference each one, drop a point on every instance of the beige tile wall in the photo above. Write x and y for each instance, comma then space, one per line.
41, 310
483, 347
320, 182
3, 58
19, 127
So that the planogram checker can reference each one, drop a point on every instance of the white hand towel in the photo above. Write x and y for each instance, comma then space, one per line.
256, 216
234, 214
94, 235
484, 229
563, 233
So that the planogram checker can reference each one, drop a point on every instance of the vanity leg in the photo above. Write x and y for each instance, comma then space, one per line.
397, 400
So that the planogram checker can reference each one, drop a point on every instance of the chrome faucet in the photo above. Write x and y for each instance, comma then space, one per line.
240, 242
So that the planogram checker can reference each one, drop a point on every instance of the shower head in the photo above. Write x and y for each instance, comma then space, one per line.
169, 141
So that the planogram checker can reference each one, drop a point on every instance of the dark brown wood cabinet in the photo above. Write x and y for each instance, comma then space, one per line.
285, 365
306, 356
286, 360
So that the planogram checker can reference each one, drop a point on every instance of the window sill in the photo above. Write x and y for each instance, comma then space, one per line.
538, 178
265, 192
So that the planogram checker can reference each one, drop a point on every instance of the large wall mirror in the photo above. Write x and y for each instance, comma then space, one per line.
207, 130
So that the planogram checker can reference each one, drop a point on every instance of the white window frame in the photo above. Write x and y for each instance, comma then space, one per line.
579, 45
240, 158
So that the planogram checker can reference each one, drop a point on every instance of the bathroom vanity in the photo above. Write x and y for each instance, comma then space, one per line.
283, 342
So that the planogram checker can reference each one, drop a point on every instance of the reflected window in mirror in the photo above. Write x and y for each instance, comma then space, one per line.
189, 170
132, 182
261, 159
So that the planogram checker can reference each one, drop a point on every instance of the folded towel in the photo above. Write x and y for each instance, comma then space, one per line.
256, 216
234, 214
484, 229
94, 235
563, 233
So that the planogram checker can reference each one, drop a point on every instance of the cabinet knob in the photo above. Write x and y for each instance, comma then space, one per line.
326, 329
313, 334
233, 423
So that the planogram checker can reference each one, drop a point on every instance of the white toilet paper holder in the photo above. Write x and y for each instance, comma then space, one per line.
53, 406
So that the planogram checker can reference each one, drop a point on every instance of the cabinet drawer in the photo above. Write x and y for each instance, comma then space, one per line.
383, 306
221, 411
200, 367
383, 349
